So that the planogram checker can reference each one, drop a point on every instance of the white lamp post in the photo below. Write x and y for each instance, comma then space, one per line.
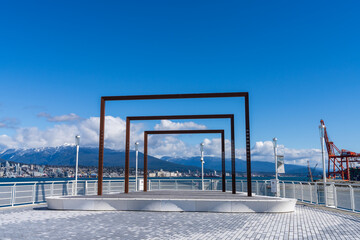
202, 165
322, 140
136, 164
276, 166
77, 142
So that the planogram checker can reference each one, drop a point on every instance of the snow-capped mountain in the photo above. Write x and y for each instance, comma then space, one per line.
240, 165
65, 156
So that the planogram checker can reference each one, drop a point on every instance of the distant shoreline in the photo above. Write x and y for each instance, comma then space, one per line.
298, 178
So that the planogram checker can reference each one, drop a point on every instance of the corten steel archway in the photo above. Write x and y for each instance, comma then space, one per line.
171, 96
146, 133
172, 117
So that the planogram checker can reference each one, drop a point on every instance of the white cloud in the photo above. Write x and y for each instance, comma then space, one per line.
168, 146
160, 146
170, 125
264, 151
7, 142
212, 147
71, 117
64, 134
88, 129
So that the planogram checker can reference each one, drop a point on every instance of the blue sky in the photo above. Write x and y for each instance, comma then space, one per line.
298, 60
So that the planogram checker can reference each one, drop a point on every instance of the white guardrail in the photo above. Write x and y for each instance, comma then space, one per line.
339, 195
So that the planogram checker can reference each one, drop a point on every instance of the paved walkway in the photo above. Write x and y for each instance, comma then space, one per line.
36, 222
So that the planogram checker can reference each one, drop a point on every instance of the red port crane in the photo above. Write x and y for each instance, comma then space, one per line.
339, 160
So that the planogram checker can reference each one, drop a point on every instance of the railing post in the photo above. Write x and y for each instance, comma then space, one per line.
316, 193
325, 194
109, 186
310, 193
302, 192
159, 184
33, 193
242, 185
86, 186
257, 187
352, 200
335, 195
284, 187
149, 187
72, 188
294, 189
176, 186
52, 189
265, 187
96, 186
13, 192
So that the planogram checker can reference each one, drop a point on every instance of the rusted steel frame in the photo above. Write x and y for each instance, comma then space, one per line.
146, 133
233, 172
172, 117
145, 162
206, 116
127, 155
223, 174
101, 147
248, 150
176, 96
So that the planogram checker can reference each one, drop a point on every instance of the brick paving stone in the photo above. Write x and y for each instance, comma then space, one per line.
37, 222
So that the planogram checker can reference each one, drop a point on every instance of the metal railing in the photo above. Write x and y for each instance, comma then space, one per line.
18, 193
339, 195
344, 196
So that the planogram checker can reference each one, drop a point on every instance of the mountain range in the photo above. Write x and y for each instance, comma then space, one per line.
240, 165
65, 156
